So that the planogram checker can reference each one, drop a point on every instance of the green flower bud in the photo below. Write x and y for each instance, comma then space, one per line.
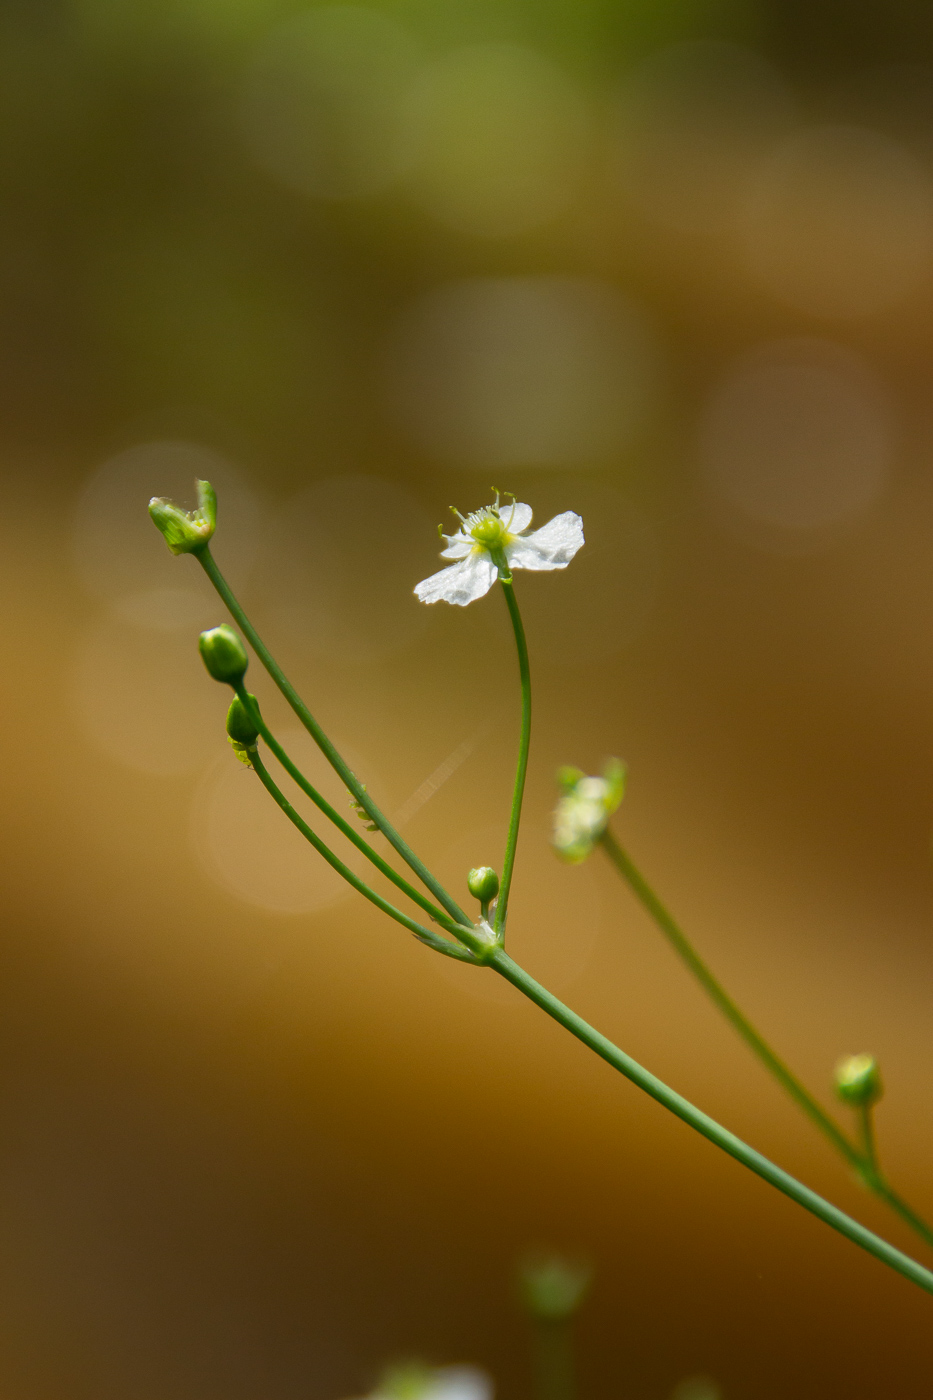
858, 1080
186, 531
223, 654
241, 731
483, 884
240, 727
552, 1288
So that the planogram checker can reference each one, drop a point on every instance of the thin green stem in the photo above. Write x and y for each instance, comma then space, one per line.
208, 564
863, 1162
521, 767
343, 870
685, 950
708, 1127
348, 829
866, 1127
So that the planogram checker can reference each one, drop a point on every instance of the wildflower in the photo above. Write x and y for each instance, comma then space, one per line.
493, 537
582, 814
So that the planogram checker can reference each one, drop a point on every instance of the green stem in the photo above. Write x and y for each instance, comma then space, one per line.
521, 767
348, 829
682, 946
867, 1134
863, 1162
208, 564
555, 1377
708, 1127
343, 870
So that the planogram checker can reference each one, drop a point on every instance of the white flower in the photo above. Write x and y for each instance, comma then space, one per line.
583, 813
498, 530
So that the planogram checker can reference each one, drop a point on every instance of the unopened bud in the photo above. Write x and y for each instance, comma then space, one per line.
240, 726
186, 531
483, 883
553, 1287
858, 1080
223, 654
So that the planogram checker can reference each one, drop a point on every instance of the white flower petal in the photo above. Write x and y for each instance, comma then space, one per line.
551, 547
458, 546
520, 517
460, 583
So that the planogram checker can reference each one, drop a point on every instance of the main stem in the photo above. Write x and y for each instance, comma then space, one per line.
708, 1127
863, 1161
521, 767
208, 564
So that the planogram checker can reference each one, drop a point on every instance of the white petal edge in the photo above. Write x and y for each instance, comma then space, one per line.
551, 547
520, 517
460, 583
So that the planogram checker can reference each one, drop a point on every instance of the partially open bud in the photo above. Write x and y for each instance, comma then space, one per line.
483, 884
186, 531
223, 654
582, 814
858, 1080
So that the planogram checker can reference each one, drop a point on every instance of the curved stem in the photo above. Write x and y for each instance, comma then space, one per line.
521, 768
348, 829
208, 564
864, 1161
708, 1127
337, 864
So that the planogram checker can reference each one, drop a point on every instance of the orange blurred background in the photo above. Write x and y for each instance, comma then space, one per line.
669, 265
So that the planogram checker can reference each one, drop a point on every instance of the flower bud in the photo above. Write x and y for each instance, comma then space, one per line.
858, 1080
240, 727
223, 654
483, 884
186, 531
553, 1288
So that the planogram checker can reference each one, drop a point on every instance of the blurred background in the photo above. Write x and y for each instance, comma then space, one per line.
668, 264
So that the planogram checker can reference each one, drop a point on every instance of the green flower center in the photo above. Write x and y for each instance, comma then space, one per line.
488, 529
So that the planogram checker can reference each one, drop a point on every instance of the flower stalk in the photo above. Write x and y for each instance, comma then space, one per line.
491, 545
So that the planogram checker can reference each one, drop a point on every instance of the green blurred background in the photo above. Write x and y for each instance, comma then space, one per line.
668, 264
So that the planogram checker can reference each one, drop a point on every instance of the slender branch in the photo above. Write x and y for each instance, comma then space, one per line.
348, 829
521, 767
682, 946
343, 870
208, 564
864, 1162
866, 1125
708, 1127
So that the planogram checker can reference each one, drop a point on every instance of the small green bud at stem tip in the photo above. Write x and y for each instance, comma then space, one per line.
240, 727
483, 884
186, 531
858, 1081
223, 654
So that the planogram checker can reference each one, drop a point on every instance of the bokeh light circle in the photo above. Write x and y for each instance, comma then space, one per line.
516, 371
321, 108
838, 222
339, 568
799, 436
497, 135
692, 121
